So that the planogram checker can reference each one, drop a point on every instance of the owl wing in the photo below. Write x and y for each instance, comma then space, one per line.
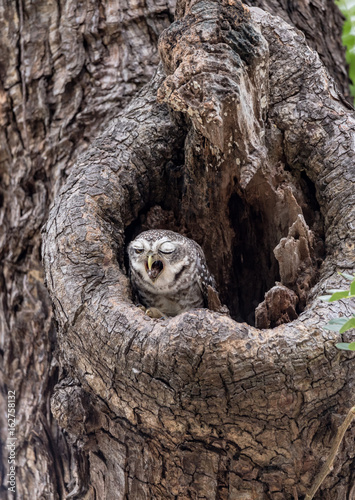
207, 285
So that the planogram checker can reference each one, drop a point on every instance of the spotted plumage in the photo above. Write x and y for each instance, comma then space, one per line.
169, 272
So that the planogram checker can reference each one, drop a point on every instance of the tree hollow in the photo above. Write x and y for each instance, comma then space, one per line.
235, 143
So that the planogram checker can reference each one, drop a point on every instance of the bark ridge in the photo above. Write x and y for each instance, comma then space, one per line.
201, 405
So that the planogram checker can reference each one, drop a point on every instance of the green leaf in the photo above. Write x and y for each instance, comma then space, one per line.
346, 347
348, 325
341, 294
336, 324
348, 38
352, 288
347, 276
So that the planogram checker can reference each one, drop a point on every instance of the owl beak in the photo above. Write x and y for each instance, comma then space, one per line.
154, 267
150, 262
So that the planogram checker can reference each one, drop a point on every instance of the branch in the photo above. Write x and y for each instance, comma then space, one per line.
328, 466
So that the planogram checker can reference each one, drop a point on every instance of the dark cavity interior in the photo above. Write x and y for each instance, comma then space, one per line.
237, 228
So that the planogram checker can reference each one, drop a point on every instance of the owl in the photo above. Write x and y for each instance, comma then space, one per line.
169, 272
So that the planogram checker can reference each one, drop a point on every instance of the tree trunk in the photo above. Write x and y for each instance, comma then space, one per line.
66, 69
322, 27
248, 150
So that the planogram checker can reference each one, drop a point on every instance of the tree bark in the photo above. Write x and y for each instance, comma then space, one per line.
321, 24
66, 69
198, 406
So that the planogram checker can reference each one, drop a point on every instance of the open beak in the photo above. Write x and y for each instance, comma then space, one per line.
150, 262
154, 267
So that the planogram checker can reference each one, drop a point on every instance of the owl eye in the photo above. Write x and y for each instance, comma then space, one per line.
167, 247
138, 247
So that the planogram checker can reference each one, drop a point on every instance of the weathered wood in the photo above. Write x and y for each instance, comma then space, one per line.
321, 24
67, 68
200, 405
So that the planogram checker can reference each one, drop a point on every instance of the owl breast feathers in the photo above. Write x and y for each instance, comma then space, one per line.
169, 272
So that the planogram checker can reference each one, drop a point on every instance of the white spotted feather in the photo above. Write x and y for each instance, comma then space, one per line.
169, 272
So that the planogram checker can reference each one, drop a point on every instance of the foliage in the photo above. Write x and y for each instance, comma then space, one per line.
347, 7
342, 325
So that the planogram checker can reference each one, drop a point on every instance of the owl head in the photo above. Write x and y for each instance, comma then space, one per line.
169, 272
158, 256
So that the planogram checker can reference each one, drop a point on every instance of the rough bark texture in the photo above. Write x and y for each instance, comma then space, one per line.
321, 23
198, 406
66, 67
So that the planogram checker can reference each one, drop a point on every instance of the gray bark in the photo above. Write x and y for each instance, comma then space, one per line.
66, 68
200, 405
321, 23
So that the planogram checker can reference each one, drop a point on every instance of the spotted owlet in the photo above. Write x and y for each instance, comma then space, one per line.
169, 272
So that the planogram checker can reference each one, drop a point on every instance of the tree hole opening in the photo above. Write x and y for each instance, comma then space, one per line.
237, 228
